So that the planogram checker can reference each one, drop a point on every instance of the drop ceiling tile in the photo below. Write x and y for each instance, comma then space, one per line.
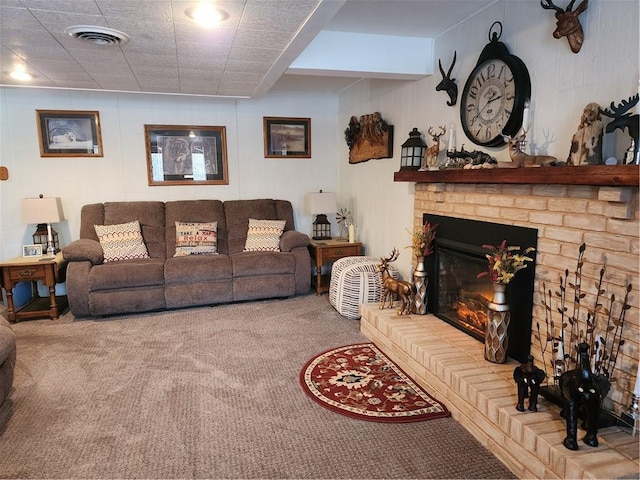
58, 21
191, 74
248, 67
261, 38
97, 55
88, 7
241, 89
147, 10
207, 50
10, 3
75, 83
261, 14
243, 77
218, 36
152, 60
17, 19
146, 71
247, 54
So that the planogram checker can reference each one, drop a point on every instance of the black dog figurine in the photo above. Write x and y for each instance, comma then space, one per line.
581, 392
528, 377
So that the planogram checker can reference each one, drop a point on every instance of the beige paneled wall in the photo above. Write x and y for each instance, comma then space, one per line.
606, 219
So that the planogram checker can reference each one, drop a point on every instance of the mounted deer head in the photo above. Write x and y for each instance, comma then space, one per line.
568, 23
447, 83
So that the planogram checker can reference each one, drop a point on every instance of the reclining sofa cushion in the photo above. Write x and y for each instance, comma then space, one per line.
139, 272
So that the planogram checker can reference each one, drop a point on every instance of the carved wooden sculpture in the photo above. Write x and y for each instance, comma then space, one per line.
391, 286
447, 83
568, 23
586, 144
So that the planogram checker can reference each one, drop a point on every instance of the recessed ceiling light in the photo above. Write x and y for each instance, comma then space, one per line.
206, 14
21, 75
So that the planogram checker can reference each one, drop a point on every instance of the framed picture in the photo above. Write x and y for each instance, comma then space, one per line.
287, 137
186, 155
32, 250
66, 133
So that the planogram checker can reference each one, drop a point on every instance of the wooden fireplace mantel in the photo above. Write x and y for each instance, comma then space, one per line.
615, 175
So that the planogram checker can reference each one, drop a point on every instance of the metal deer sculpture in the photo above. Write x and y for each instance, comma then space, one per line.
567, 22
391, 286
431, 154
447, 83
521, 159
622, 118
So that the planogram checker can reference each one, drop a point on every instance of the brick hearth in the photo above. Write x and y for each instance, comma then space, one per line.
482, 397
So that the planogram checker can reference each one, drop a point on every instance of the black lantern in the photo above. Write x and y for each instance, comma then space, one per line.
412, 151
41, 236
319, 204
321, 228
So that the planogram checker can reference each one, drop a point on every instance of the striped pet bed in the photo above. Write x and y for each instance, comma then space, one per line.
355, 281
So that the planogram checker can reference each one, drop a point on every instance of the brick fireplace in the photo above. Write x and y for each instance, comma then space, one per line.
605, 218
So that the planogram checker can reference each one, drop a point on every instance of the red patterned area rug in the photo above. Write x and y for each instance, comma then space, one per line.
361, 382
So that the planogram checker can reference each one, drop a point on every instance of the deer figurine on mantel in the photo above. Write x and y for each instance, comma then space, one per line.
521, 159
431, 154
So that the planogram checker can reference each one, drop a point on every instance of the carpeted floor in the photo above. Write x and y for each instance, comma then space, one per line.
206, 393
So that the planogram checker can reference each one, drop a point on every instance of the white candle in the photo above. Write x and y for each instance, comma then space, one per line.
525, 116
452, 138
49, 236
352, 233
636, 390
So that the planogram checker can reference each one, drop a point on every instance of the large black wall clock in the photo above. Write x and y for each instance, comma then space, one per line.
494, 95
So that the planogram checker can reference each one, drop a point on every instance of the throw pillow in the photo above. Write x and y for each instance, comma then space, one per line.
196, 238
264, 235
122, 241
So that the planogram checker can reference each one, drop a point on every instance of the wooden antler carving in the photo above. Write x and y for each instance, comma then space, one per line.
567, 22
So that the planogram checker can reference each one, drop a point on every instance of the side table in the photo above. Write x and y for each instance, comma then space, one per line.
328, 251
49, 270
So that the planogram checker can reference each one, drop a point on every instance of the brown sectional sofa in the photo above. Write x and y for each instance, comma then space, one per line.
7, 358
163, 281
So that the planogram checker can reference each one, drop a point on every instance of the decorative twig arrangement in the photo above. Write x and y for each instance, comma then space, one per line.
604, 339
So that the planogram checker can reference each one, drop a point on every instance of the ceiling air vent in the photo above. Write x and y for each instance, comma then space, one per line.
97, 35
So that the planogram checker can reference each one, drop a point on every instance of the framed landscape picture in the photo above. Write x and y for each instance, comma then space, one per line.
67, 133
186, 155
287, 137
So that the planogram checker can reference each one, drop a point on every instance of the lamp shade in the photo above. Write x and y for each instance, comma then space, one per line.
321, 202
42, 210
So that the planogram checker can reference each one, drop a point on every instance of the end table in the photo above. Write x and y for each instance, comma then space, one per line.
325, 251
49, 270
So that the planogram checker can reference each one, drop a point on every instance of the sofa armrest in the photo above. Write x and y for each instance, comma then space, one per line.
292, 239
84, 250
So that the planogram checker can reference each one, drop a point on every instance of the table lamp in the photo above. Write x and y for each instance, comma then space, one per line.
44, 211
320, 204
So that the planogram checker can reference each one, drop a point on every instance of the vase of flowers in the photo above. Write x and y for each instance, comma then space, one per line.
504, 263
422, 246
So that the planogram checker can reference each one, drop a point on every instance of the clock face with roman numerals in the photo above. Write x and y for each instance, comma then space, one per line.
488, 103
494, 95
